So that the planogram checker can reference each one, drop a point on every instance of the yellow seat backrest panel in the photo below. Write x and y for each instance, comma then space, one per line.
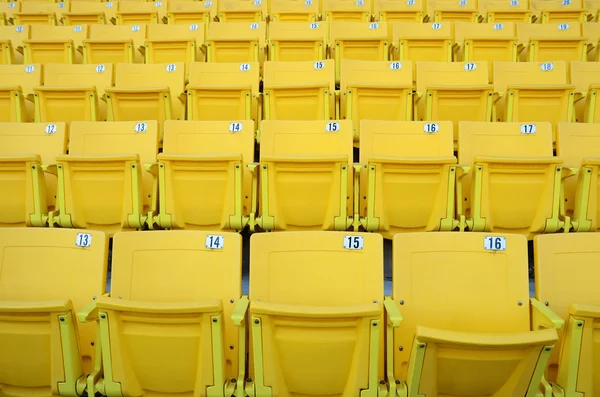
306, 180
347, 10
236, 42
552, 42
296, 312
585, 76
398, 11
243, 10
450, 10
38, 13
139, 12
28, 192
565, 273
486, 42
423, 41
505, 11
54, 44
297, 41
16, 85
16, 34
175, 43
294, 11
46, 274
114, 43
85, 12
181, 285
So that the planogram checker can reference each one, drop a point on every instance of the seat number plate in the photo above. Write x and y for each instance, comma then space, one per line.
354, 242
494, 243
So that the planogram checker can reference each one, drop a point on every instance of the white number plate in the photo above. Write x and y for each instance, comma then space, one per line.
431, 127
494, 243
83, 240
528, 129
333, 126
235, 127
354, 242
215, 242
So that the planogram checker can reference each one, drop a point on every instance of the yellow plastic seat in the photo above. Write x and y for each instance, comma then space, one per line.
8, 8
562, 11
114, 44
147, 92
486, 42
54, 44
551, 42
297, 41
208, 159
375, 90
511, 183
176, 308
243, 10
346, 10
28, 193
577, 144
306, 175
47, 275
312, 337
565, 274
294, 11
454, 91
73, 92
365, 41
533, 92
423, 42
138, 13
479, 333
38, 13
585, 76
87, 12
299, 90
393, 11
236, 42
452, 10
101, 182
224, 91
407, 176
190, 12
16, 91
175, 43
506, 11
591, 31
11, 42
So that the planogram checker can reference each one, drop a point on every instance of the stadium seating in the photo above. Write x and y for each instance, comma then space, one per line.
346, 10
175, 43
591, 31
511, 183
294, 11
224, 91
533, 92
485, 42
585, 76
565, 273
306, 175
189, 12
452, 10
101, 182
375, 90
236, 42
243, 10
577, 145
407, 176
26, 150
200, 157
506, 11
297, 41
479, 333
87, 12
16, 91
139, 13
176, 308
551, 42
56, 44
393, 11
7, 9
114, 44
73, 93
562, 11
38, 12
11, 42
454, 91
47, 276
147, 92
311, 336
299, 90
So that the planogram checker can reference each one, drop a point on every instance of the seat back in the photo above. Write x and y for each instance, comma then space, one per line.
243, 10
577, 144
565, 270
294, 11
423, 41
41, 268
38, 13
297, 41
549, 42
529, 73
30, 145
506, 11
299, 90
25, 76
8, 8
16, 34
306, 163
398, 11
159, 75
138, 12
293, 305
591, 31
114, 44
188, 12
223, 91
411, 162
175, 43
375, 90
451, 10
45, 32
16, 83
585, 76
215, 150
236, 42
99, 76
486, 42
86, 12
493, 299
347, 10
57, 44
174, 269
